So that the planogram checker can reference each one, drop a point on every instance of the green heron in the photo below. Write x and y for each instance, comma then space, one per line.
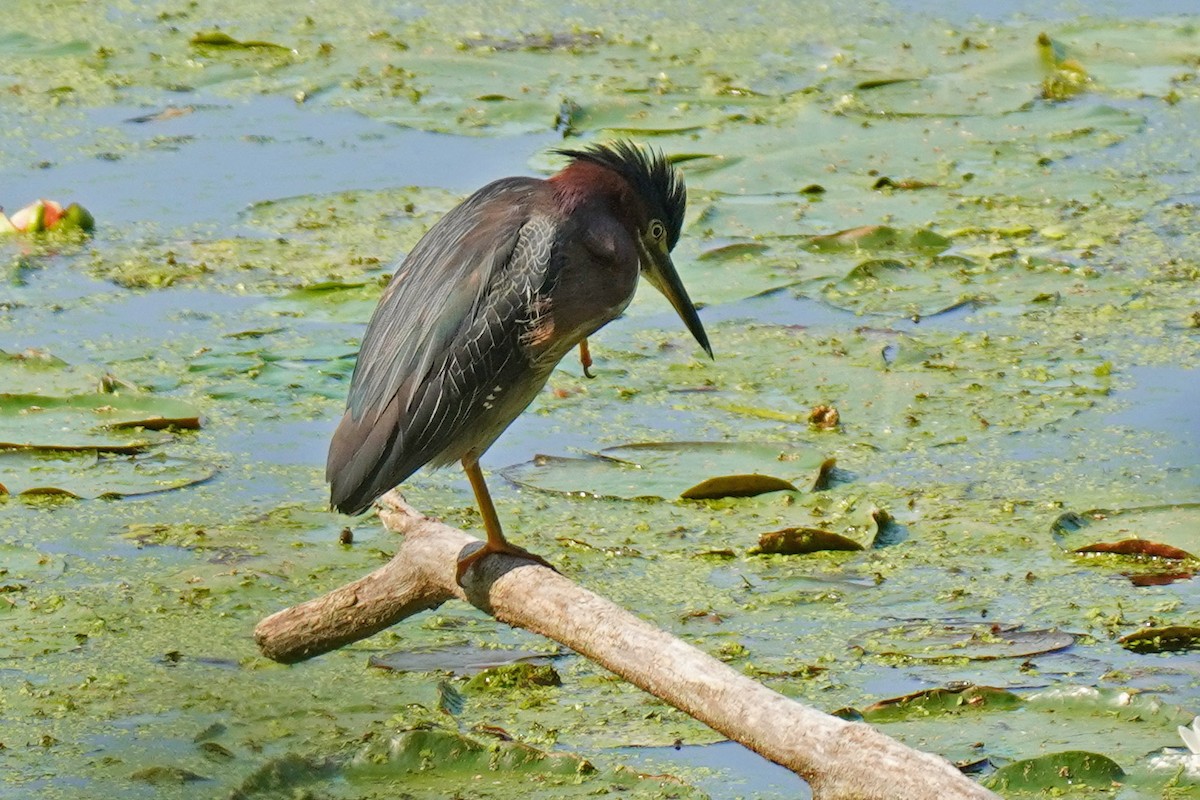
484, 307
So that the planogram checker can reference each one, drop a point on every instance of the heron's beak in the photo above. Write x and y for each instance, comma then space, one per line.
660, 271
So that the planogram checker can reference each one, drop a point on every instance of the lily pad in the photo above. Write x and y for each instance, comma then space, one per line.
42, 373
935, 641
888, 531
667, 470
459, 659
736, 486
514, 677
984, 722
878, 237
220, 39
941, 700
1057, 771
88, 474
118, 422
1169, 532
1165, 639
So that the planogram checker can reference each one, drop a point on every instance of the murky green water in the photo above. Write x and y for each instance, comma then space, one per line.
1020, 341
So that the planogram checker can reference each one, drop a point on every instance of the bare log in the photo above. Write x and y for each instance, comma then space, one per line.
840, 760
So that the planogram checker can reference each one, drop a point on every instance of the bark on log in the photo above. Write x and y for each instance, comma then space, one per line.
840, 760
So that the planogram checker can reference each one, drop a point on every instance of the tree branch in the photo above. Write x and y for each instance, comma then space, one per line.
840, 760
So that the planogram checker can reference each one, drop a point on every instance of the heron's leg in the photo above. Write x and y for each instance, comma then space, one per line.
496, 543
585, 358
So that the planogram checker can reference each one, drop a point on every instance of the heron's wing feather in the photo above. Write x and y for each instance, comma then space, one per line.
435, 337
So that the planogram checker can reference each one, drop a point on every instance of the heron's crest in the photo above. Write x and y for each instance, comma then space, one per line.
651, 174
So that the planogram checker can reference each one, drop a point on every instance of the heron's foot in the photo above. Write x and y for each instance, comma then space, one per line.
489, 547
585, 359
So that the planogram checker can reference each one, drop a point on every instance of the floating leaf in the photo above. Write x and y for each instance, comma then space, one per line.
87, 474
220, 39
665, 469
427, 750
166, 776
798, 541
732, 250
918, 289
42, 373
514, 677
888, 532
736, 486
1165, 639
1165, 532
460, 659
932, 641
878, 237
1061, 771
119, 422
941, 700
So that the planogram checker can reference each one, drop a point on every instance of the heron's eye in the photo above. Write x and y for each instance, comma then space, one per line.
657, 231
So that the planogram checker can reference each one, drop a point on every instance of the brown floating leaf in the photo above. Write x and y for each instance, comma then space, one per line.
933, 641
1170, 532
888, 532
826, 475
1170, 638
907, 184
797, 541
1158, 578
222, 39
170, 112
748, 485
1136, 547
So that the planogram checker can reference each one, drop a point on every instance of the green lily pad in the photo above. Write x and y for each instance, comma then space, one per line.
665, 470
878, 237
41, 373
1057, 771
897, 287
514, 677
460, 659
935, 641
119, 422
941, 701
89, 474
1170, 532
732, 250
983, 722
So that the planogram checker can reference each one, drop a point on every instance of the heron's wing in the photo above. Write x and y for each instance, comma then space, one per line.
435, 328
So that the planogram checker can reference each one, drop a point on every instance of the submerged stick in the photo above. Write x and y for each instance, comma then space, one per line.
840, 760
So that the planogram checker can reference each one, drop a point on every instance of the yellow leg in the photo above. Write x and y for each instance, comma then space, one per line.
585, 358
496, 543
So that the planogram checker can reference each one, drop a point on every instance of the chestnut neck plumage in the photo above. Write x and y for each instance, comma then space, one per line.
583, 183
